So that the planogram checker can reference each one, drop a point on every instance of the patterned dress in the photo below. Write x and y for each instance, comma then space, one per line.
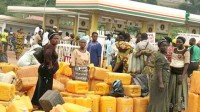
149, 67
124, 50
19, 43
159, 101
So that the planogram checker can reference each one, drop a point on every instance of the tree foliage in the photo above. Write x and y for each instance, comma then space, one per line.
175, 30
152, 2
193, 6
34, 3
147, 1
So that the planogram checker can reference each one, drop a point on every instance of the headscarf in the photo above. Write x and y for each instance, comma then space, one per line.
55, 27
182, 38
174, 41
51, 34
161, 41
83, 39
168, 39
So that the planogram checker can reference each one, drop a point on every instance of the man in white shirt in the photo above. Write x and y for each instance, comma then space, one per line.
66, 39
60, 36
45, 39
145, 51
114, 49
144, 44
66, 36
37, 29
114, 52
37, 38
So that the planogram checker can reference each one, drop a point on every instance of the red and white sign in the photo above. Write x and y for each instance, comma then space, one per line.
151, 37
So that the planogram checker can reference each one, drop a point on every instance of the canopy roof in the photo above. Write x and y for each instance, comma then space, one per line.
19, 20
127, 10
39, 10
194, 18
126, 7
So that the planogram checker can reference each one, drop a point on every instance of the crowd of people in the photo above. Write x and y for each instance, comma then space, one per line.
166, 68
20, 40
13, 40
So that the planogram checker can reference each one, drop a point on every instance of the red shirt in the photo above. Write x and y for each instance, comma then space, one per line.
170, 50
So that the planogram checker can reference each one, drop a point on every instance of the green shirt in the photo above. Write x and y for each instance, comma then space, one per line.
195, 53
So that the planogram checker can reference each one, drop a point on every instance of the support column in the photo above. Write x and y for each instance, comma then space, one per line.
126, 27
169, 30
144, 27
106, 28
58, 20
112, 25
3, 26
94, 23
44, 22
154, 27
75, 27
187, 27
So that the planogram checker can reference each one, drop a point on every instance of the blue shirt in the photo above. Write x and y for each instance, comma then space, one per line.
95, 49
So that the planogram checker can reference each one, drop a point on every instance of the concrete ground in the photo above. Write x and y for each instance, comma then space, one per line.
12, 56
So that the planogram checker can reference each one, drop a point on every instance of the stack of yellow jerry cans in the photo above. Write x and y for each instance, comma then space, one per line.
17, 85
91, 96
94, 95
194, 92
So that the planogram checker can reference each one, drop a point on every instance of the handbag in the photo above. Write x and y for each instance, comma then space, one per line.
117, 89
39, 55
81, 73
142, 80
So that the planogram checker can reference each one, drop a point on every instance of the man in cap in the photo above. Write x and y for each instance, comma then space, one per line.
60, 35
55, 29
37, 29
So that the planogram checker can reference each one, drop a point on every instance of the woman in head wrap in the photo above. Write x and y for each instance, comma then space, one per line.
80, 57
178, 90
160, 81
124, 49
47, 69
19, 43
